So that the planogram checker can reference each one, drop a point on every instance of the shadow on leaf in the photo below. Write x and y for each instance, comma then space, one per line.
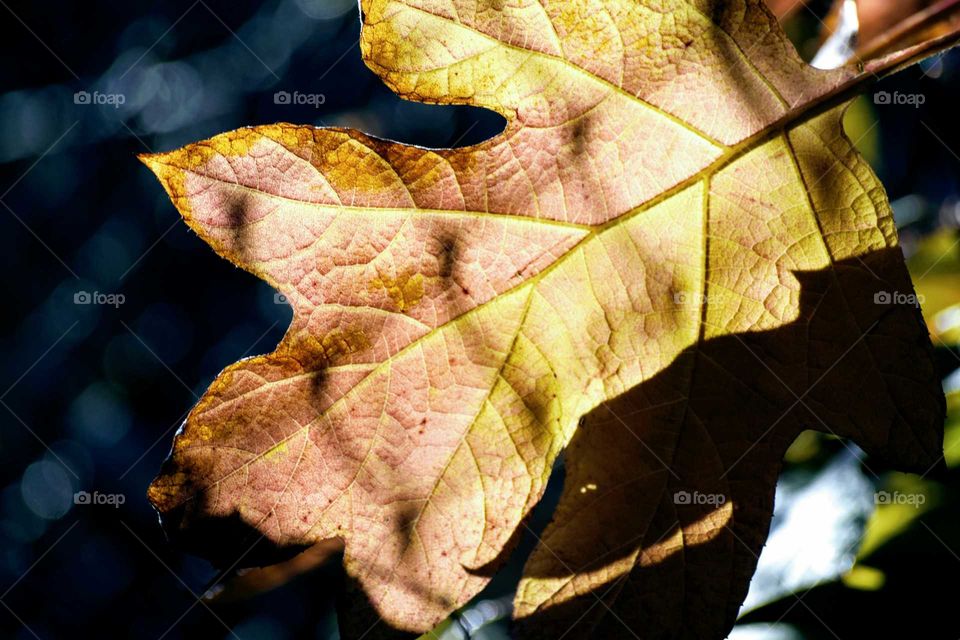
670, 487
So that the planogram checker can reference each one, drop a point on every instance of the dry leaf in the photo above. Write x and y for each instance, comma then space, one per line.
672, 238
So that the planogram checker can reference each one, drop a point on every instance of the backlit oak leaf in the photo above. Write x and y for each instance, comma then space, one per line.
672, 242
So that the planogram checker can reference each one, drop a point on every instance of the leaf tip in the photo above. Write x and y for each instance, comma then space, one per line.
170, 169
158, 163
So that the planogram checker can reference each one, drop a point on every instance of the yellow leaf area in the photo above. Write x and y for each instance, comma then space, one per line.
666, 265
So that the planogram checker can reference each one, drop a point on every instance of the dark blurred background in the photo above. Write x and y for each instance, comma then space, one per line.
116, 318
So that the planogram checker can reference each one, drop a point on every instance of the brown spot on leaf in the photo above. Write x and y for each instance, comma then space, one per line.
406, 290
